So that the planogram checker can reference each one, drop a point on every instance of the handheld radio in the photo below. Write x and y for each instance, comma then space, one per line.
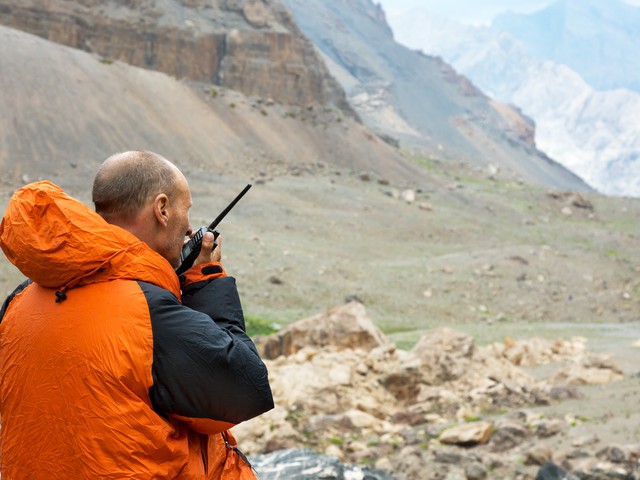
192, 249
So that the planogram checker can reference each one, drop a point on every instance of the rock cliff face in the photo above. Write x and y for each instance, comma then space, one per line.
252, 46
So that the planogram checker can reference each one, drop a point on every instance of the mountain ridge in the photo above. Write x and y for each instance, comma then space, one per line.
419, 99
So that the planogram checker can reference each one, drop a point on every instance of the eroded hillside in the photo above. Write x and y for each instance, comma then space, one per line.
65, 110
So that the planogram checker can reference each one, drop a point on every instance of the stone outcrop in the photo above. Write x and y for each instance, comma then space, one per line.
345, 392
343, 328
336, 372
252, 46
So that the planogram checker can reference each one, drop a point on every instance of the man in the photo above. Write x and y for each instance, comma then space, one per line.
111, 366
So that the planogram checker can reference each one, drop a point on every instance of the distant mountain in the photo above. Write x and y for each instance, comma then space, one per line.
420, 99
599, 39
595, 134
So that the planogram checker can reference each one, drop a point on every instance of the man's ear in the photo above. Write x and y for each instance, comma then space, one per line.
160, 209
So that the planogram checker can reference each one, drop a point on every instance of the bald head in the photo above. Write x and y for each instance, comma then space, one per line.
127, 181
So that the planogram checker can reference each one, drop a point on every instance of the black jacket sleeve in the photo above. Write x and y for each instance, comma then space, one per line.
204, 364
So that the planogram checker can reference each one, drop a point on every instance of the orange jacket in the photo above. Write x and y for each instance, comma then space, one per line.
107, 368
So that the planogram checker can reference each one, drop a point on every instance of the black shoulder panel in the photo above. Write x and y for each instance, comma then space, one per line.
5, 305
204, 366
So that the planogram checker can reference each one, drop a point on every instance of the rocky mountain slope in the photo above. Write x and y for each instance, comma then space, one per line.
420, 99
332, 202
64, 111
256, 48
593, 133
250, 46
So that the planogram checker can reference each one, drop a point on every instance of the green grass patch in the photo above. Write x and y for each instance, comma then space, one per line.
259, 326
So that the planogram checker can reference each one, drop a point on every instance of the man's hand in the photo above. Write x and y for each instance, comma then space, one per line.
207, 253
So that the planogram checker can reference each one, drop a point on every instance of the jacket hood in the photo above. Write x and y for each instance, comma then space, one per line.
59, 242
